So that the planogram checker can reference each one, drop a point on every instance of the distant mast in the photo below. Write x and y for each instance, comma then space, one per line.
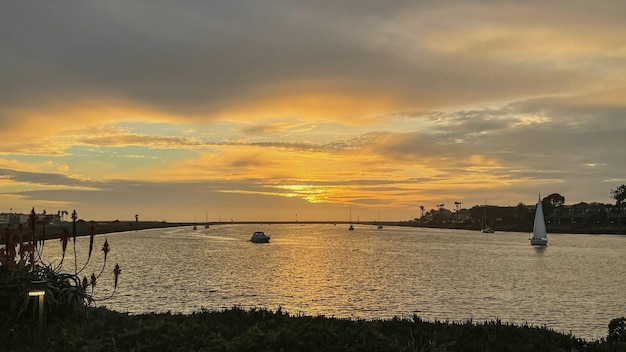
351, 228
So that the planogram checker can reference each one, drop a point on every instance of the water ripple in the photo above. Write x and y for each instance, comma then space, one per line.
576, 284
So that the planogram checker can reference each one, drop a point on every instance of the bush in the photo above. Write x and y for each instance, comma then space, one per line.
617, 331
20, 265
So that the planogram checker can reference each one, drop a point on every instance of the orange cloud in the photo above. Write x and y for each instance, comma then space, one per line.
41, 122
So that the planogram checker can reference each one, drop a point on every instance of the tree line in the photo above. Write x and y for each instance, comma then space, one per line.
582, 217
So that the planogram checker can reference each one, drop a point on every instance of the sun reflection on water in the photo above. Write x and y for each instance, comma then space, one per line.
369, 273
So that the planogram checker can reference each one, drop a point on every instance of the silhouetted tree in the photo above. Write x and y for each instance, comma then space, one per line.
555, 199
552, 202
619, 194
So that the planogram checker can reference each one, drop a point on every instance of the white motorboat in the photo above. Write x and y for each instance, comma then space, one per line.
259, 237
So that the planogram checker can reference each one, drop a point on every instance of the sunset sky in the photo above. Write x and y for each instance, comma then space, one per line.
307, 110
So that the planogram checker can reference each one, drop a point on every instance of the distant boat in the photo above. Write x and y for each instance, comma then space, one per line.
485, 228
206, 221
540, 235
380, 226
351, 228
259, 237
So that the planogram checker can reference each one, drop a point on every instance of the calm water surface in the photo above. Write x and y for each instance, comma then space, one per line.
576, 284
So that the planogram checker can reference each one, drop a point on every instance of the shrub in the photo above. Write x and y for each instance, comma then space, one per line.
21, 264
617, 330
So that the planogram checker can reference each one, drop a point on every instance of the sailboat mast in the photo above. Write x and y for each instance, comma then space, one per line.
485, 214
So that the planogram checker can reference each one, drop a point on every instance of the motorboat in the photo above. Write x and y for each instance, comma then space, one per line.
259, 237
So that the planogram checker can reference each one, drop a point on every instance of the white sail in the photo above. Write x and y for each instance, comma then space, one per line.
540, 235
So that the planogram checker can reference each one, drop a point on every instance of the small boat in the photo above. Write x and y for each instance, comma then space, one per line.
259, 237
351, 228
540, 235
485, 228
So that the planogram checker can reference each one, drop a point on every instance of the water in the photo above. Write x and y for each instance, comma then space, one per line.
574, 285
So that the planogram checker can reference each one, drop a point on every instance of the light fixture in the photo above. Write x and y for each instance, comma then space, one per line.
38, 289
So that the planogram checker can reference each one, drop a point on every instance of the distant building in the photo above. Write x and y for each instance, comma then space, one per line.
8, 219
12, 219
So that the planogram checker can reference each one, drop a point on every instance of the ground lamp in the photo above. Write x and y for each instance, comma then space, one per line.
38, 289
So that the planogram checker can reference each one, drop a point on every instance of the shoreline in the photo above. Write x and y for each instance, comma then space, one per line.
84, 228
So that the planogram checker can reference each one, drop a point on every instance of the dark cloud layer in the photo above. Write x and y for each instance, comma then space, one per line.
199, 57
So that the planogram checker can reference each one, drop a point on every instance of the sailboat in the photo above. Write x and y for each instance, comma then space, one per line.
380, 226
206, 220
485, 228
351, 228
540, 235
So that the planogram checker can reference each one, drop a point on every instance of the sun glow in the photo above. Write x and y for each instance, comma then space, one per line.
311, 193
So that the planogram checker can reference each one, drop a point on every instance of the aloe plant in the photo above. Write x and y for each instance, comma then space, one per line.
21, 263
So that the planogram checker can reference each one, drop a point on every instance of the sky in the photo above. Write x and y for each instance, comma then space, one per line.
308, 110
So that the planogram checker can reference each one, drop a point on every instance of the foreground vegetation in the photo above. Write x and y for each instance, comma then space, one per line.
261, 330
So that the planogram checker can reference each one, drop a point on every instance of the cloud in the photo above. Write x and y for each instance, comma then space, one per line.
199, 62
46, 179
377, 103
270, 128
112, 138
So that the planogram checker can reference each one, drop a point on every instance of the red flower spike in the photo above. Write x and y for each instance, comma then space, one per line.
117, 271
22, 250
93, 232
74, 217
65, 236
93, 280
106, 249
85, 282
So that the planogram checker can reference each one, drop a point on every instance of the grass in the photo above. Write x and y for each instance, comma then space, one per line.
262, 330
